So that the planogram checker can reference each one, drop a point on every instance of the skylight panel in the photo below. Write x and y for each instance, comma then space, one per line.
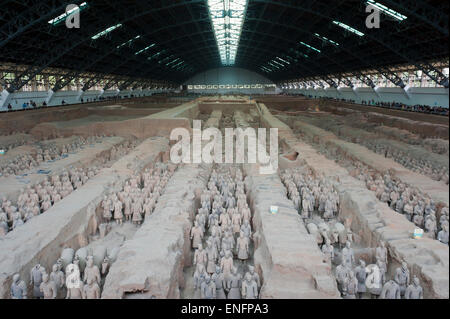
326, 39
156, 54
145, 49
128, 42
105, 32
349, 28
178, 64
64, 16
273, 65
165, 59
309, 46
396, 15
283, 60
169, 63
278, 63
227, 17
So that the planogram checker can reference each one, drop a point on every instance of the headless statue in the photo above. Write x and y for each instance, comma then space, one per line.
91, 271
48, 288
414, 291
91, 290
391, 290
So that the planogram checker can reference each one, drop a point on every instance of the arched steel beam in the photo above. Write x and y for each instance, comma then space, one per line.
422, 11
379, 36
36, 12
123, 14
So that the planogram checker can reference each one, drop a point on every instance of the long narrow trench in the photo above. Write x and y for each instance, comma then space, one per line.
116, 220
316, 199
405, 199
222, 245
36, 199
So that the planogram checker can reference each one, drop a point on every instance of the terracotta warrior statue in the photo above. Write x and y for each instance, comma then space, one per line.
414, 291
91, 271
391, 290
36, 280
57, 276
105, 266
402, 277
342, 273
219, 280
91, 290
351, 287
48, 288
381, 253
328, 250
348, 255
200, 256
443, 235
361, 276
199, 275
212, 255
118, 214
226, 264
196, 235
249, 288
255, 276
243, 247
246, 229
208, 288
234, 284
18, 288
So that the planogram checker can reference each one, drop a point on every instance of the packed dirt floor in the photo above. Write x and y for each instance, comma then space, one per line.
349, 202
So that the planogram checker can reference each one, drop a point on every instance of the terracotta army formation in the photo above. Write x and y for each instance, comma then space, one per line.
311, 195
421, 166
362, 282
413, 161
405, 199
138, 198
72, 282
81, 275
223, 226
37, 199
44, 153
19, 140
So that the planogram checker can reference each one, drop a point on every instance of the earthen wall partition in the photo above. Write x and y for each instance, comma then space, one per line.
286, 256
151, 263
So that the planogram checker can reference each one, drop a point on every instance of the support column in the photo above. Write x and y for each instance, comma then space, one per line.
5, 97
376, 89
49, 96
406, 91
79, 95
